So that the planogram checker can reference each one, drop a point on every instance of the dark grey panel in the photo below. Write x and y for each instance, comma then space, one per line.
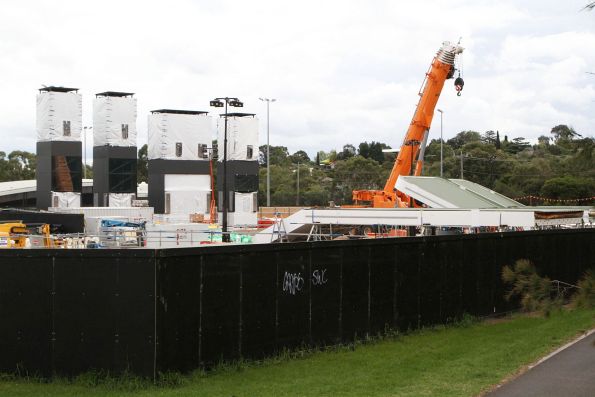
102, 172
43, 174
239, 168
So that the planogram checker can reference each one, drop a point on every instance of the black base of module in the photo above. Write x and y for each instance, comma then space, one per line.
114, 171
242, 177
59, 169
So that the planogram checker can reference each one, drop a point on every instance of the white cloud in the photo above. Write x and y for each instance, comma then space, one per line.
343, 71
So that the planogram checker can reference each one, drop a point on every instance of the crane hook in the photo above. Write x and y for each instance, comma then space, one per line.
459, 83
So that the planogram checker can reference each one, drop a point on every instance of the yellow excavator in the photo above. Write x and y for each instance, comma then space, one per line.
15, 234
441, 69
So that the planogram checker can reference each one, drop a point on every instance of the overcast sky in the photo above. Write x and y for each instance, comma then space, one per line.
342, 71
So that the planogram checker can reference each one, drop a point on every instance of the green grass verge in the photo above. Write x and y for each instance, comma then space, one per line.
451, 361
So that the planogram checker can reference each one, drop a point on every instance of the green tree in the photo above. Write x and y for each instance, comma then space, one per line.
489, 137
355, 173
564, 133
299, 157
462, 138
568, 187
348, 151
373, 150
18, 165
279, 155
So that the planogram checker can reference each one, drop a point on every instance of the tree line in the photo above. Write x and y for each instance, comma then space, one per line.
560, 166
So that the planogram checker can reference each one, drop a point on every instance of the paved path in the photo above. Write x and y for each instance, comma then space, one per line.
570, 372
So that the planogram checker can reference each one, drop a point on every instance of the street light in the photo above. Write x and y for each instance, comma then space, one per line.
219, 103
268, 101
85, 150
441, 168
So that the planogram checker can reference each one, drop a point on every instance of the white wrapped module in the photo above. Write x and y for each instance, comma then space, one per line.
179, 135
246, 210
59, 115
114, 120
186, 194
118, 200
66, 199
242, 137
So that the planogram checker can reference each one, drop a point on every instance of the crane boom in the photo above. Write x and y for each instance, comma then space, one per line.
441, 69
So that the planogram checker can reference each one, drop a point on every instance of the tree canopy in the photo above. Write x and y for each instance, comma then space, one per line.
560, 166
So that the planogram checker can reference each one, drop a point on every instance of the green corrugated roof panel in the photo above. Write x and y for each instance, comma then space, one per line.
500, 200
453, 193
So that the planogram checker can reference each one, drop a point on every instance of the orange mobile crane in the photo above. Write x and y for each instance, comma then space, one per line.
441, 69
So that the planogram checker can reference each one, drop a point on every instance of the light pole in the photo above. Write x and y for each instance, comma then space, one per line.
441, 140
462, 176
268, 101
411, 143
297, 197
219, 103
85, 150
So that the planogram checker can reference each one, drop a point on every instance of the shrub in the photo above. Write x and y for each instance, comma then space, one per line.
534, 291
585, 295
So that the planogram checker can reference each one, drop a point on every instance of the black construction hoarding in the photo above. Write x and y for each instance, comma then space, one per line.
148, 311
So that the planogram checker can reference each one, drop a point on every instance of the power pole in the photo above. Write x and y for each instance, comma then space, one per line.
462, 177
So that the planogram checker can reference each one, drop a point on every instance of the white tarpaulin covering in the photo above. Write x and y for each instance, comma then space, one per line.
187, 193
186, 203
59, 116
120, 199
245, 211
245, 202
114, 121
242, 133
187, 182
66, 200
177, 136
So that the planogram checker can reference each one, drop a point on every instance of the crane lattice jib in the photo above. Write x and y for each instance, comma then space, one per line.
442, 68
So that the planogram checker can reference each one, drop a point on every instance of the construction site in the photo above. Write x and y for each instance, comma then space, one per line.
184, 205
187, 270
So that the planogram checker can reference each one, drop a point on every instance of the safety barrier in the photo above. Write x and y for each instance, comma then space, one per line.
68, 311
